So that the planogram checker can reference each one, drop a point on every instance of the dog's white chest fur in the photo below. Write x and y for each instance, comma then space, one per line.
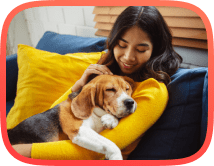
94, 121
99, 120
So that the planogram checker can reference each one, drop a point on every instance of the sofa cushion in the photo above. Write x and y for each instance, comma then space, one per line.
9, 105
177, 133
43, 77
63, 44
11, 80
204, 110
11, 76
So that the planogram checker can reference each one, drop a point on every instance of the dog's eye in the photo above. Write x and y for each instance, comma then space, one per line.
127, 88
111, 89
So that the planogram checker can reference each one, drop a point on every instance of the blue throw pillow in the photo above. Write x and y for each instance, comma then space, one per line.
63, 44
177, 133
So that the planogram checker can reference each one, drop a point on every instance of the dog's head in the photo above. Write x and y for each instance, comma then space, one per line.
111, 93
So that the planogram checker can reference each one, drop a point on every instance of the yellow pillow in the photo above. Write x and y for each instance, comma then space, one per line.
42, 78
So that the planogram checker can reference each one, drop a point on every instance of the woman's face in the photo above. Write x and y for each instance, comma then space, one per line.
133, 50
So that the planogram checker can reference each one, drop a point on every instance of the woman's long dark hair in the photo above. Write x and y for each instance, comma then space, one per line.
164, 60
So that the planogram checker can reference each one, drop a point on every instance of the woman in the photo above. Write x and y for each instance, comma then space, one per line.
139, 46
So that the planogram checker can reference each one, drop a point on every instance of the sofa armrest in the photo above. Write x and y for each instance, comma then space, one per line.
204, 117
11, 76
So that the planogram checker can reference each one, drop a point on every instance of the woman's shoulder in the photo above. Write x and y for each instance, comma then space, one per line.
151, 82
150, 86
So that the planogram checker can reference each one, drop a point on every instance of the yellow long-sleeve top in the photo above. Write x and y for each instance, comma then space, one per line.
151, 97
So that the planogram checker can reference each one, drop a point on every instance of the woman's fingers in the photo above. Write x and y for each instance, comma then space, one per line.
99, 69
92, 69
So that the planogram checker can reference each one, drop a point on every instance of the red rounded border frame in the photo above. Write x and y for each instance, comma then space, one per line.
109, 3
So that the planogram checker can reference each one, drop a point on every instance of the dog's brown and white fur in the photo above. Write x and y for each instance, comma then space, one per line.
98, 106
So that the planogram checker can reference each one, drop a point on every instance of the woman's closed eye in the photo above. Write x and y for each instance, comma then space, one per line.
141, 51
122, 45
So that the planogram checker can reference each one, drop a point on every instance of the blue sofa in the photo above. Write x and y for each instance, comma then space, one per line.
181, 130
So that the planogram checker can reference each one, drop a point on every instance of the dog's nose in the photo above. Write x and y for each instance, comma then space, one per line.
129, 103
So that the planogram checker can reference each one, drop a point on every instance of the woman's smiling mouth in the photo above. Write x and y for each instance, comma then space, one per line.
127, 66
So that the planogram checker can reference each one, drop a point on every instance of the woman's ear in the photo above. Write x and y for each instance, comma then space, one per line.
83, 104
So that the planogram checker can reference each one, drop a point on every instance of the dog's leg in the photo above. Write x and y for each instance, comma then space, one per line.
109, 121
91, 140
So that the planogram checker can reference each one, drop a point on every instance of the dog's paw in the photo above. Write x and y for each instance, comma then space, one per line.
114, 153
116, 157
109, 121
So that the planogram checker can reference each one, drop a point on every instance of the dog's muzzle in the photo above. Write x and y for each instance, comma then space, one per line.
127, 107
130, 105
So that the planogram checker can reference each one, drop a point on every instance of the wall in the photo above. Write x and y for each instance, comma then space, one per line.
72, 20
17, 33
28, 26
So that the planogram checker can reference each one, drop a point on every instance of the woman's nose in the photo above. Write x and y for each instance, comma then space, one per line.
130, 55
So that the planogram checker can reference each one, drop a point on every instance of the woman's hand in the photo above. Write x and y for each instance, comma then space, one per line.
23, 149
92, 69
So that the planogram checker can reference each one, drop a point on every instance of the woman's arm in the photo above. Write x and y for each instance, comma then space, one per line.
151, 97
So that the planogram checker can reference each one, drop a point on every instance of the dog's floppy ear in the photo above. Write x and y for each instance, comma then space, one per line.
130, 81
83, 104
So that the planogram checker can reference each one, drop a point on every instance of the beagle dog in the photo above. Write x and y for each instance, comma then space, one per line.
80, 118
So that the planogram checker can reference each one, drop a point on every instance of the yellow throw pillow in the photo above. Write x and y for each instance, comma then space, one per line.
43, 77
